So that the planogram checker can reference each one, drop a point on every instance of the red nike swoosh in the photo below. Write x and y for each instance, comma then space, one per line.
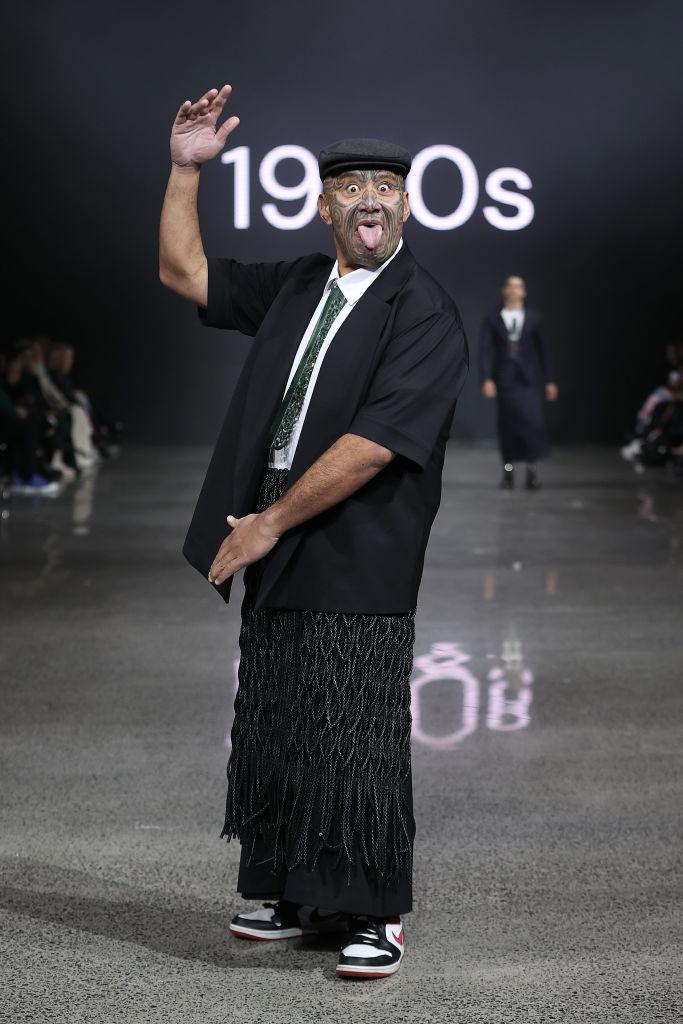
399, 937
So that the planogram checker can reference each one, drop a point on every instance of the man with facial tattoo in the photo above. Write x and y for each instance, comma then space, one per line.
326, 478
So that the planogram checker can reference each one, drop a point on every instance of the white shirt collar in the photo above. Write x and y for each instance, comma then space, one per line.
354, 284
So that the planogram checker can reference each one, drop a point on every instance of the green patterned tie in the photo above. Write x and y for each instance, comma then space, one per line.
292, 403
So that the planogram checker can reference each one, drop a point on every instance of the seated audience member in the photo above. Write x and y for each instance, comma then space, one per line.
658, 434
99, 433
35, 389
650, 410
49, 429
22, 432
58, 361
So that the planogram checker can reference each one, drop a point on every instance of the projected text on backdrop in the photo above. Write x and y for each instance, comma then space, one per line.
501, 186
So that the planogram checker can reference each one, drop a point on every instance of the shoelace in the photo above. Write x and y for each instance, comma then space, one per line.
368, 932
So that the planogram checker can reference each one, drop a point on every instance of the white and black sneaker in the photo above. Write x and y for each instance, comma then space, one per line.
373, 949
273, 921
285, 920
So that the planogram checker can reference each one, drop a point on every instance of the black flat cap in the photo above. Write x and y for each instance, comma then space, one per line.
363, 154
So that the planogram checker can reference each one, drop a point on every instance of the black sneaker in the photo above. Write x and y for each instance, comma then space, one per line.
508, 481
323, 922
273, 921
373, 949
285, 920
532, 481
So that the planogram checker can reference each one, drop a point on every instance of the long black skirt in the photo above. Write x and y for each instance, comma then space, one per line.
319, 783
521, 431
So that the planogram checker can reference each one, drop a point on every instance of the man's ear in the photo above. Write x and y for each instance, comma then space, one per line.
406, 207
324, 209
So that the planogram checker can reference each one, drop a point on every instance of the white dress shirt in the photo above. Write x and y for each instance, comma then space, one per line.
514, 322
353, 286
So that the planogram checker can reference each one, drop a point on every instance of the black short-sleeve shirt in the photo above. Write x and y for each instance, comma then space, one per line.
392, 374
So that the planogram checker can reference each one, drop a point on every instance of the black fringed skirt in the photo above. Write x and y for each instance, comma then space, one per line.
319, 784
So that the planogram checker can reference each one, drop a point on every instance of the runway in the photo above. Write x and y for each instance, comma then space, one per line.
546, 760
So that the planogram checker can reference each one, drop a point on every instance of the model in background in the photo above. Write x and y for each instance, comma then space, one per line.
514, 366
326, 478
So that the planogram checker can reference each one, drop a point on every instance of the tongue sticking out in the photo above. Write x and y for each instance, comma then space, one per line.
370, 234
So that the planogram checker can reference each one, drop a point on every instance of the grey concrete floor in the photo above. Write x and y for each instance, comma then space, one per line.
547, 760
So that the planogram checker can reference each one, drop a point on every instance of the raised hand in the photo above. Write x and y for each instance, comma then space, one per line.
194, 136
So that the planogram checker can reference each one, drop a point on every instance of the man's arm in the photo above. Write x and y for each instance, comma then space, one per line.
194, 140
50, 392
343, 469
182, 262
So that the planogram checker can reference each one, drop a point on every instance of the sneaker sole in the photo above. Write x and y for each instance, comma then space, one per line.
244, 932
360, 971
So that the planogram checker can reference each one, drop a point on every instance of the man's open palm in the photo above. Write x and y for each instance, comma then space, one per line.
194, 137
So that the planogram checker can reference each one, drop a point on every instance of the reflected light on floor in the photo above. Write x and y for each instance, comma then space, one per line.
508, 692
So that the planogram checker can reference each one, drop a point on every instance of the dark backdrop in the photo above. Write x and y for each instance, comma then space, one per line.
584, 99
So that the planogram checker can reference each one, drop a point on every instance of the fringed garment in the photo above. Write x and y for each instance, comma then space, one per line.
319, 787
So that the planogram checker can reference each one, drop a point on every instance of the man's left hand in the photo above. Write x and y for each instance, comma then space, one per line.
551, 392
251, 539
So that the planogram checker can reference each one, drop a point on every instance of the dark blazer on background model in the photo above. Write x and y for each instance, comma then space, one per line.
392, 374
531, 365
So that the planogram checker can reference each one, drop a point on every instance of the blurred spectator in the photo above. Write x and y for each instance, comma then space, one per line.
92, 432
23, 430
658, 435
49, 428
30, 385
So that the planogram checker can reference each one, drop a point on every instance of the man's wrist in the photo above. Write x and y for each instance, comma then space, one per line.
271, 521
185, 170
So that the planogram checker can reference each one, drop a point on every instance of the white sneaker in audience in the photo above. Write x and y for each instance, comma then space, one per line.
68, 474
86, 461
632, 450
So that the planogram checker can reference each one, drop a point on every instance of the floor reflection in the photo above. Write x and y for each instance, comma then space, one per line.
489, 583
53, 550
500, 701
445, 661
49, 573
84, 503
669, 519
509, 691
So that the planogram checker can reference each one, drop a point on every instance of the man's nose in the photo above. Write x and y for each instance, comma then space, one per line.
369, 200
